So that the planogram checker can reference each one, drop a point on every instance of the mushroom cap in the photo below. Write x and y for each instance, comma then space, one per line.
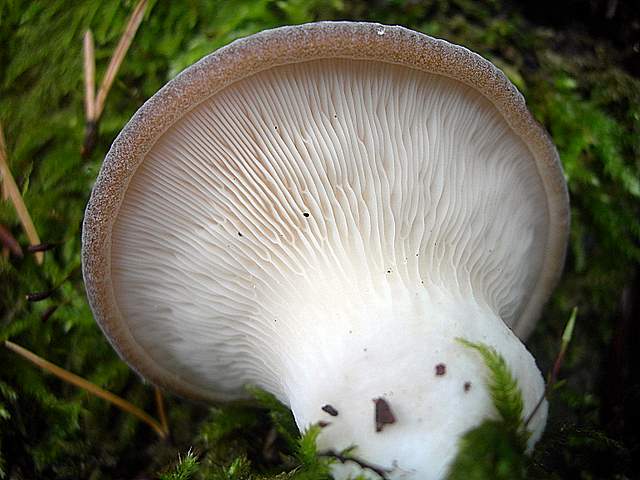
233, 190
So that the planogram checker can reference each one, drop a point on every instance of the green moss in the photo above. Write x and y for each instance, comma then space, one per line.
573, 83
490, 450
503, 387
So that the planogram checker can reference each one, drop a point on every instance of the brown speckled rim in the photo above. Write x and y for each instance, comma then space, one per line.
281, 46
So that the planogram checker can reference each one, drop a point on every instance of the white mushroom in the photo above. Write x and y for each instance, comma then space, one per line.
320, 211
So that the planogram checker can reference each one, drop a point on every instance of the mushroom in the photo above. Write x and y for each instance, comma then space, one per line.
320, 211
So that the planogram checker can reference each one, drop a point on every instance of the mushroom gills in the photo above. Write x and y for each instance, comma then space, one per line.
325, 230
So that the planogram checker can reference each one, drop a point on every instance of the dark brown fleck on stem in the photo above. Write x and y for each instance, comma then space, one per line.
441, 369
467, 386
384, 415
330, 410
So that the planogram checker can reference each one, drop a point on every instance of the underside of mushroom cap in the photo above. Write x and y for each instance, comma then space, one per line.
311, 166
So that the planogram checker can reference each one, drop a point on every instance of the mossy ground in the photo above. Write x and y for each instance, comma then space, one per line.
578, 82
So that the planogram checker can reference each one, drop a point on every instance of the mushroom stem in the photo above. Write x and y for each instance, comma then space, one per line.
431, 409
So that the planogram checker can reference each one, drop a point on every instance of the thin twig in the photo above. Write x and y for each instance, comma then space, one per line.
118, 56
89, 77
41, 247
382, 472
86, 385
43, 295
13, 193
161, 411
39, 296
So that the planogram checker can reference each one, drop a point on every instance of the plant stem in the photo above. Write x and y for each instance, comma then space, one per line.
89, 77
553, 374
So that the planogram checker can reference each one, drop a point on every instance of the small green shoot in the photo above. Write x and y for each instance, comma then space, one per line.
552, 376
185, 469
568, 330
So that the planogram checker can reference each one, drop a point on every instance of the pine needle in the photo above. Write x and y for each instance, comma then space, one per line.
95, 106
118, 56
161, 410
89, 77
12, 192
80, 382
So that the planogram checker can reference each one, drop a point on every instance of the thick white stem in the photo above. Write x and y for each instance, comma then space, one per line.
404, 349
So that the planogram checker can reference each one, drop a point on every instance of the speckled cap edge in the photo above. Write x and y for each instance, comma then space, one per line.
281, 46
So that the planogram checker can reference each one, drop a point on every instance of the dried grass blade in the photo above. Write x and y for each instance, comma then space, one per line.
161, 410
86, 385
13, 194
118, 56
89, 77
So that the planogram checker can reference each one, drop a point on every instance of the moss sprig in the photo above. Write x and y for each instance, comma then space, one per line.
495, 448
